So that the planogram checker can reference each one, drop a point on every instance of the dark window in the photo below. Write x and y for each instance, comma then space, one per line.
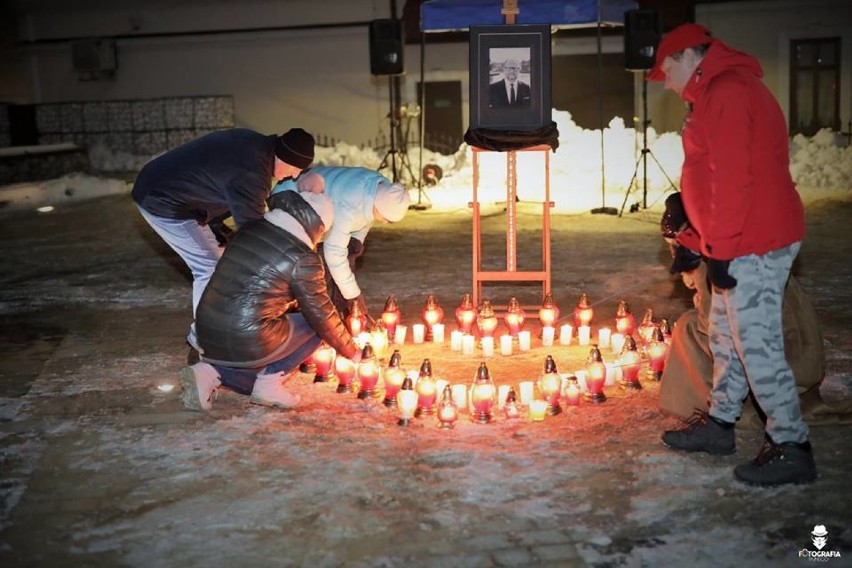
814, 85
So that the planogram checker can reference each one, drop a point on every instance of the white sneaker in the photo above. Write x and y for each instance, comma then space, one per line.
268, 391
199, 382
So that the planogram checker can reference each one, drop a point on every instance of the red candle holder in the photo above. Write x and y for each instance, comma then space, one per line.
482, 396
666, 328
572, 391
448, 412
344, 369
432, 313
625, 323
323, 360
427, 390
550, 385
356, 321
391, 315
486, 319
583, 313
466, 314
548, 313
394, 376
657, 350
631, 360
368, 373
510, 407
595, 376
646, 328
515, 317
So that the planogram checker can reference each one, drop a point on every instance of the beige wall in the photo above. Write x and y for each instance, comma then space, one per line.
764, 30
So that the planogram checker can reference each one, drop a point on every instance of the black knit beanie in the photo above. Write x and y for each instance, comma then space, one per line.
295, 147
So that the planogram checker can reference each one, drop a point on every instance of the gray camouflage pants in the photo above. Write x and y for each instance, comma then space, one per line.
747, 342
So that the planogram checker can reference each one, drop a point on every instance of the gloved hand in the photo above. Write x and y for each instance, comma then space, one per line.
674, 218
717, 271
684, 260
355, 250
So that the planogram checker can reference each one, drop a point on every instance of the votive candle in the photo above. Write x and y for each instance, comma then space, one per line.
584, 335
488, 346
581, 379
565, 333
456, 340
399, 334
460, 395
617, 342
547, 334
418, 332
468, 343
537, 410
524, 341
604, 335
502, 393
505, 344
438, 333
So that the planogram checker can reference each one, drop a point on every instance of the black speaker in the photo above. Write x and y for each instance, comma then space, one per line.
641, 38
386, 47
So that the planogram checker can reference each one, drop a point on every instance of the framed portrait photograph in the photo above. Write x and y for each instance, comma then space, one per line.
510, 77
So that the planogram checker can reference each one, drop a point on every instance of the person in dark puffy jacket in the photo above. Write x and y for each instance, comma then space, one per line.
266, 307
184, 192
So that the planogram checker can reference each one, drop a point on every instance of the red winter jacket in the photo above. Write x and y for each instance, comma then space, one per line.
736, 182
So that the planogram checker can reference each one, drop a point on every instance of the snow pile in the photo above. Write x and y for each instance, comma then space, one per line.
820, 162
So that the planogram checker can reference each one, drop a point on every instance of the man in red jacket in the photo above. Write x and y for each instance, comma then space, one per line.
748, 222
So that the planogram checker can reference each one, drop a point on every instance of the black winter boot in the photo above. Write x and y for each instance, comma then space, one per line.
702, 433
779, 464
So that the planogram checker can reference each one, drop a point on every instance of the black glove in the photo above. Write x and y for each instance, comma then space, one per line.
674, 218
355, 250
717, 271
221, 231
684, 260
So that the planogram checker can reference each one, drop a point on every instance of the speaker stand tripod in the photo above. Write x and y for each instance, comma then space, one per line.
643, 156
396, 158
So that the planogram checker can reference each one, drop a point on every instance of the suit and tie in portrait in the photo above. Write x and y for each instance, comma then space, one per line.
509, 91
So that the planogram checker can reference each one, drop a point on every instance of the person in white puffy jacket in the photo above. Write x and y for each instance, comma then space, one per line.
360, 197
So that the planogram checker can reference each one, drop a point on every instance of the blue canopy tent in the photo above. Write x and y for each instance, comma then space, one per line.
459, 15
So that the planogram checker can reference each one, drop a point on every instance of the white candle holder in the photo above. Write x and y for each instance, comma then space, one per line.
617, 342
584, 335
565, 333
581, 379
438, 333
604, 335
460, 396
502, 393
547, 334
468, 345
399, 334
418, 332
456, 340
505, 345
487, 346
524, 341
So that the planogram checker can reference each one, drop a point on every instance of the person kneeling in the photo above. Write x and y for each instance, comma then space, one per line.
267, 307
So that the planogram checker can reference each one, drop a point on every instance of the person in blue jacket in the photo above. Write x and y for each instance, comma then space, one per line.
360, 197
229, 172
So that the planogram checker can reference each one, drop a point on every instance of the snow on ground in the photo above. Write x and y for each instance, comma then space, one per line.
821, 166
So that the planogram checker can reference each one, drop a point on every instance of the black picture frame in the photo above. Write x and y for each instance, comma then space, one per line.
491, 49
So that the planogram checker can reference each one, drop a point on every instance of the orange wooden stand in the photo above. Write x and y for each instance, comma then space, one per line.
511, 274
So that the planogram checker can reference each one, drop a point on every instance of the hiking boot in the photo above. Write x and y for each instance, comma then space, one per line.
269, 391
199, 382
779, 464
702, 433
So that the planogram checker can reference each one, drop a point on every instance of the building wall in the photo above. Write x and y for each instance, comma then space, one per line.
764, 29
